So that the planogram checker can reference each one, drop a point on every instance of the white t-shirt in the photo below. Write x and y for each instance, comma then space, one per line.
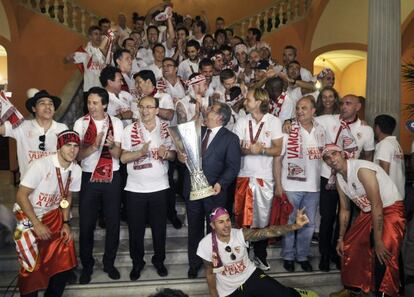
354, 189
175, 91
257, 165
124, 102
28, 143
236, 272
312, 146
156, 70
287, 110
295, 94
149, 173
363, 134
186, 68
130, 81
389, 150
93, 62
146, 55
81, 125
41, 176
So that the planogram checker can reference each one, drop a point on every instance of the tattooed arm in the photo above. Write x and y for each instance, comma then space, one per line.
276, 231
369, 180
211, 279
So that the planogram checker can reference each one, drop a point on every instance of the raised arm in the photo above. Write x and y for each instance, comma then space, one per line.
276, 231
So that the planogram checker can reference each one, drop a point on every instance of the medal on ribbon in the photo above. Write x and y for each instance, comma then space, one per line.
64, 203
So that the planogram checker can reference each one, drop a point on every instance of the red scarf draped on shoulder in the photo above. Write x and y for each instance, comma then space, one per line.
103, 170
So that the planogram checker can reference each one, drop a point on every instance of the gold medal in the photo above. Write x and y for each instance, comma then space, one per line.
64, 203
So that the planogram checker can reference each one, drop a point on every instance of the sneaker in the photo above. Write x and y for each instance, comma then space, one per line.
346, 293
262, 264
306, 293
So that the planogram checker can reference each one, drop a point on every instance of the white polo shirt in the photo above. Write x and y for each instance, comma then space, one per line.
28, 144
389, 150
236, 272
93, 62
184, 69
175, 91
363, 134
258, 166
89, 163
355, 191
41, 177
149, 173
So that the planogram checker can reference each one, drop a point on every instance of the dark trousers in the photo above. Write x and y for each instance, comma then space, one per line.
328, 205
55, 287
230, 197
171, 211
91, 196
197, 214
260, 284
140, 208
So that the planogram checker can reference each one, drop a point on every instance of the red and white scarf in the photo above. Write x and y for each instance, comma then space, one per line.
8, 112
103, 171
296, 153
346, 141
276, 106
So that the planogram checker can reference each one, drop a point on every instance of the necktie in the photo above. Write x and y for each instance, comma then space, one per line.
205, 141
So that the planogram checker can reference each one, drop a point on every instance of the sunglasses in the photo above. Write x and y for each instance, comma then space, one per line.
42, 139
232, 255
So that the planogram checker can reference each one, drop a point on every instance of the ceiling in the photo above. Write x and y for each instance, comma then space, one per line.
340, 59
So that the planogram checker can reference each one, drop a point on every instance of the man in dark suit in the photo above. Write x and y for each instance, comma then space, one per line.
221, 164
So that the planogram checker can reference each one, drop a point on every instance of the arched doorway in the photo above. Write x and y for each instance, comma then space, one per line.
4, 142
350, 68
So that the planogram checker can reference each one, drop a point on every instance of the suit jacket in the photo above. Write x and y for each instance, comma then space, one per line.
221, 161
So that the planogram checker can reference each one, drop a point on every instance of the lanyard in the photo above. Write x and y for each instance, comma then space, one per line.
63, 191
256, 137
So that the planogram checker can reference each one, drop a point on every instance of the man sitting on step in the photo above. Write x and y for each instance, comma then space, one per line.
229, 271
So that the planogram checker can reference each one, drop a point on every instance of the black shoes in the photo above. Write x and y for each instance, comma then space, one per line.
306, 266
289, 265
161, 269
85, 277
193, 271
324, 263
112, 272
175, 221
136, 272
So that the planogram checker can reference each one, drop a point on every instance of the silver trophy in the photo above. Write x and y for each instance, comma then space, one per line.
187, 139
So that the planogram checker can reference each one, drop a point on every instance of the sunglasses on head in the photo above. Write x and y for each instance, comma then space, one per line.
42, 139
232, 255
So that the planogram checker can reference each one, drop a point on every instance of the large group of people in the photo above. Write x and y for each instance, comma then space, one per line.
269, 131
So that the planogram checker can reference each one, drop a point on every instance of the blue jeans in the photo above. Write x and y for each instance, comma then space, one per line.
300, 251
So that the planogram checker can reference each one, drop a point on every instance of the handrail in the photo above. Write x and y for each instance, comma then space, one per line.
64, 12
278, 14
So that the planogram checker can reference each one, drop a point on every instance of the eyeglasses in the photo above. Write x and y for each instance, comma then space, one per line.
232, 255
42, 139
146, 107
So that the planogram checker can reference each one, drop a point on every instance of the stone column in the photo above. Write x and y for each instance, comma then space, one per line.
384, 52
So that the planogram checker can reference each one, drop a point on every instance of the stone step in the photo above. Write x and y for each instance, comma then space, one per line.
149, 282
176, 253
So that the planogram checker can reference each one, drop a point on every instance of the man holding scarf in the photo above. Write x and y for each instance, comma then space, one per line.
347, 131
300, 176
43, 237
99, 154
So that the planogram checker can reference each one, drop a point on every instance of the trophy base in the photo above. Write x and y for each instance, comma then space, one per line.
202, 193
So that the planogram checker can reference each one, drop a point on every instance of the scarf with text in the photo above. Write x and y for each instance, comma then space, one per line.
276, 106
296, 153
8, 112
346, 141
103, 170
